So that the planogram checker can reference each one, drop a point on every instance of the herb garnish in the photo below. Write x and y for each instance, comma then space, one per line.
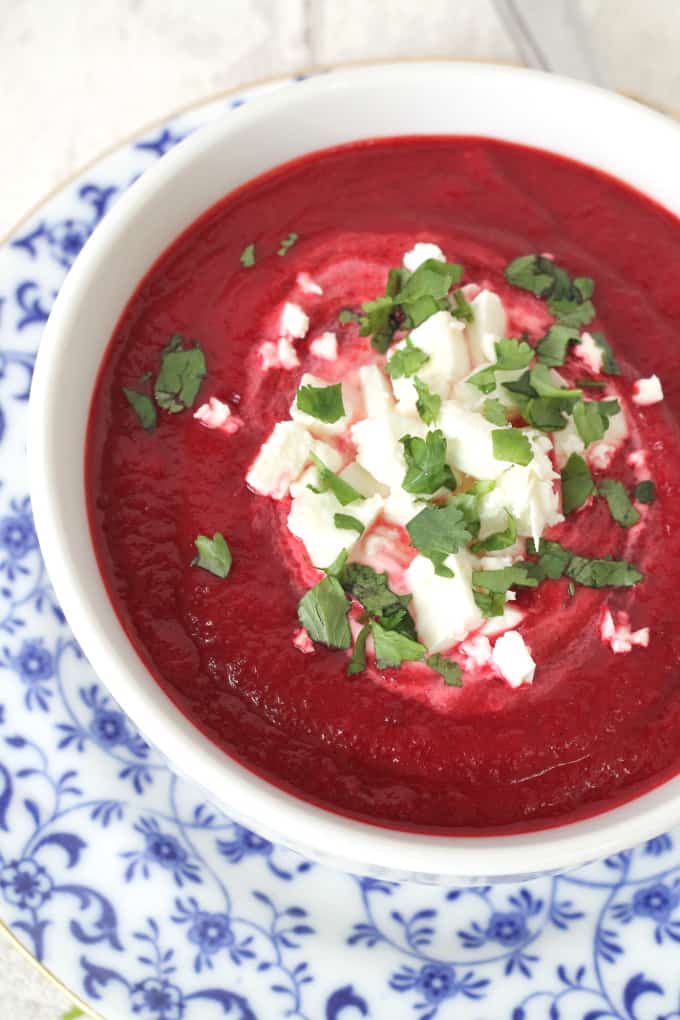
286, 243
499, 539
592, 418
554, 561
328, 480
447, 668
577, 483
409, 299
511, 445
144, 408
494, 411
322, 402
552, 350
357, 662
406, 360
428, 404
214, 554
511, 355
323, 610
348, 523
609, 365
645, 492
463, 308
618, 501
438, 531
426, 467
248, 256
569, 300
392, 647
347, 315
491, 586
182, 372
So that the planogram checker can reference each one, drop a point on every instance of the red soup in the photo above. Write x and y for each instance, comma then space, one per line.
383, 473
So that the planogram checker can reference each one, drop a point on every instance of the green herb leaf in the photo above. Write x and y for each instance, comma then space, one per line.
392, 648
357, 662
511, 355
438, 531
346, 315
323, 610
500, 539
182, 372
591, 384
322, 402
545, 414
144, 408
372, 590
287, 243
338, 563
511, 445
554, 560
577, 483
507, 577
447, 668
328, 480
426, 467
609, 365
604, 573
463, 309
618, 501
406, 361
494, 411
485, 379
532, 272
213, 554
645, 492
428, 404
589, 422
468, 503
490, 603
348, 523
378, 321
432, 279
542, 383
552, 350
572, 311
248, 256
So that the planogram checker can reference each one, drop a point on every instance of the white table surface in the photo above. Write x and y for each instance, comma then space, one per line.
78, 75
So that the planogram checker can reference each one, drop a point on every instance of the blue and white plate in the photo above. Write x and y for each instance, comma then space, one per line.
149, 903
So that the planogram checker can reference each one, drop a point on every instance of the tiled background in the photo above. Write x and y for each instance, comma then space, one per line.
77, 75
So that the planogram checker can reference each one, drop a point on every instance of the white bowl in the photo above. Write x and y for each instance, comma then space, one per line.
607, 131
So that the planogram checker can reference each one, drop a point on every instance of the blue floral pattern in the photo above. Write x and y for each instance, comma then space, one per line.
153, 905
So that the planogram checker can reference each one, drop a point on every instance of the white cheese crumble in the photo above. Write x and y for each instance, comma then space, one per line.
488, 325
513, 660
307, 284
647, 391
294, 321
421, 252
280, 354
618, 634
444, 607
325, 346
217, 415
589, 353
281, 460
441, 338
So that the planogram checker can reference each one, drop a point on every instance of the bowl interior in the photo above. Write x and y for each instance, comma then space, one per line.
506, 103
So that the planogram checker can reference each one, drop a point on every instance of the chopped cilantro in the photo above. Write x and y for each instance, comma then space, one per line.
214, 554
426, 467
286, 243
428, 403
545, 414
485, 379
378, 321
447, 668
499, 539
463, 309
604, 573
323, 610
248, 256
577, 483
494, 412
357, 662
552, 350
645, 492
409, 298
618, 501
512, 355
490, 603
144, 408
511, 445
569, 300
592, 418
348, 523
572, 311
346, 315
591, 384
506, 577
372, 590
553, 560
541, 381
468, 503
328, 480
431, 280
532, 272
406, 360
392, 648
322, 402
609, 365
337, 565
438, 531
182, 372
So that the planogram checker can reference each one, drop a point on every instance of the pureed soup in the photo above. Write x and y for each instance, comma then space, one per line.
383, 472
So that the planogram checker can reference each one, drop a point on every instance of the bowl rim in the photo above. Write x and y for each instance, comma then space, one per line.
252, 800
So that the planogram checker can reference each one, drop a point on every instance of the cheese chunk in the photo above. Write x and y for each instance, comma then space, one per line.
647, 391
441, 337
294, 321
420, 253
489, 323
375, 391
513, 660
528, 492
589, 353
311, 519
443, 607
359, 479
379, 449
280, 460
325, 346
469, 447
315, 425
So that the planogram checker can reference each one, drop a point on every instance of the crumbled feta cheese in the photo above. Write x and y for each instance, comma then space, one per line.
476, 650
647, 391
619, 636
589, 353
359, 479
379, 449
375, 392
294, 321
307, 284
325, 346
513, 659
470, 448
638, 459
217, 415
278, 355
441, 337
528, 492
489, 323
420, 253
315, 425
444, 607
281, 460
327, 454
600, 455
510, 619
302, 641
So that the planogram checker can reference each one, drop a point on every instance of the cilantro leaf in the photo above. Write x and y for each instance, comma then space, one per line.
532, 272
592, 418
323, 610
328, 480
392, 648
499, 539
645, 492
494, 412
511, 445
512, 355
438, 531
428, 404
180, 377
604, 573
553, 560
577, 483
618, 501
378, 322
485, 379
287, 243
348, 523
490, 603
569, 300
247, 257
406, 360
432, 279
447, 668
426, 467
337, 565
609, 365
506, 577
347, 315
468, 503
552, 350
463, 309
144, 408
372, 590
572, 311
214, 554
545, 414
542, 383
357, 662
322, 402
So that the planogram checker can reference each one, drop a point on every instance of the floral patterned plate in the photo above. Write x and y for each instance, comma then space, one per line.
149, 903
